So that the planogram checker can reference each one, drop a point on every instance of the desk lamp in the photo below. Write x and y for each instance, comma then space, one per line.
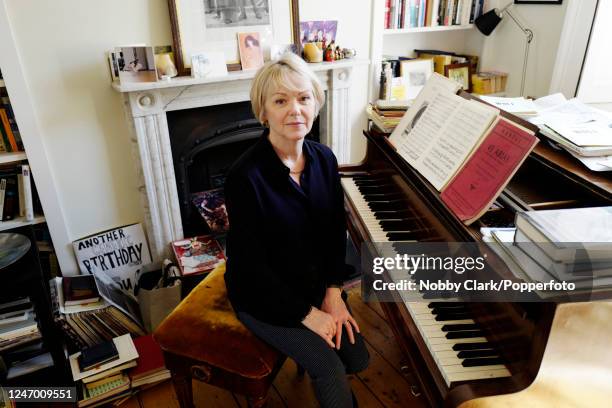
487, 22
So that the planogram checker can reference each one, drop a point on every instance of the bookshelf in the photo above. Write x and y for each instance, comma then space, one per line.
393, 31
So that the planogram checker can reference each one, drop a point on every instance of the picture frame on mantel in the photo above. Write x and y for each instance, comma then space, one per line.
191, 34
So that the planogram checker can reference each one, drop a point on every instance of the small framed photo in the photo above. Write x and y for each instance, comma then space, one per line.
415, 72
538, 1
251, 51
460, 73
136, 64
208, 64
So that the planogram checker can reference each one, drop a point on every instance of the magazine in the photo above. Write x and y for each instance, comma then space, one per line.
198, 254
211, 206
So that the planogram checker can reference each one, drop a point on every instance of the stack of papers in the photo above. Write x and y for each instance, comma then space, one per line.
583, 131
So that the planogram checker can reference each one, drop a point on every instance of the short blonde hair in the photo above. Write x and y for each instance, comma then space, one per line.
275, 74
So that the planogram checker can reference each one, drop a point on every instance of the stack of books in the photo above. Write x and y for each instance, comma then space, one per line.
572, 245
116, 369
101, 370
21, 347
17, 198
386, 115
150, 368
89, 323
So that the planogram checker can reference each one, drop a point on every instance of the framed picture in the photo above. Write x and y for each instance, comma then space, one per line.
251, 53
135, 64
213, 25
415, 73
460, 73
537, 1
315, 31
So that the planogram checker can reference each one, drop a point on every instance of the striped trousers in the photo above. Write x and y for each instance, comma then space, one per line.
327, 367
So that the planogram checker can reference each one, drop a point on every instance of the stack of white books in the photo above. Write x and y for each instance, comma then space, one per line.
571, 245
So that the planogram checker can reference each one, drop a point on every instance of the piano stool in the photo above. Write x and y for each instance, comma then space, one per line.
202, 339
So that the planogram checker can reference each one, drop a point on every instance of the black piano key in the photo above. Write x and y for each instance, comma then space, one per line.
394, 205
446, 305
444, 317
394, 214
467, 334
477, 353
437, 311
471, 346
459, 327
383, 197
398, 226
485, 361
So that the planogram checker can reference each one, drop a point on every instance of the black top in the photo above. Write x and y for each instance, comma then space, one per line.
286, 242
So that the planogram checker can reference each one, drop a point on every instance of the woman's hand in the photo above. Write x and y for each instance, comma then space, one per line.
334, 305
321, 323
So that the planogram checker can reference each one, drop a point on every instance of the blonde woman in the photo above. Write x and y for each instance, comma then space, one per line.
286, 244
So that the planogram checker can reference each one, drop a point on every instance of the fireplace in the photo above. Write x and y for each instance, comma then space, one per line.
205, 142
176, 155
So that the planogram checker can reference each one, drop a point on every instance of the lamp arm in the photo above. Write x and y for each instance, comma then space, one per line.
525, 31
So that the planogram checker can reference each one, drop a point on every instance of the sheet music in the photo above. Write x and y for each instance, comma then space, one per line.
435, 85
449, 130
416, 137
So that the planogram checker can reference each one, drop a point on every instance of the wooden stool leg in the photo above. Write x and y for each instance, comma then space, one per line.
184, 392
257, 402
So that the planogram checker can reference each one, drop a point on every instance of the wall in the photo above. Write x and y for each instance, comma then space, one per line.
62, 46
504, 49
353, 32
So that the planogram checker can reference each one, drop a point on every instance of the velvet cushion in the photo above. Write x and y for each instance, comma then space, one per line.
204, 327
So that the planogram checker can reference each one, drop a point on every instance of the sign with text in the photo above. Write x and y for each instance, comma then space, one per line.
120, 252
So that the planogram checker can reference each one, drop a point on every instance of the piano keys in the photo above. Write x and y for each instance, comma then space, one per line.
460, 351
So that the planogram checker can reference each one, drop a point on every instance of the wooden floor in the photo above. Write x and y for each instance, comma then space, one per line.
383, 384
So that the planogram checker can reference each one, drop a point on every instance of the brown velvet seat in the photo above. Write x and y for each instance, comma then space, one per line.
203, 339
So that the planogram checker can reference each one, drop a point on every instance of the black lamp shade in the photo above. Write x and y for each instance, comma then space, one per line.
487, 22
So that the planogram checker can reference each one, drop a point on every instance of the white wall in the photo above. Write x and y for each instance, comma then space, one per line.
353, 32
83, 127
504, 49
62, 45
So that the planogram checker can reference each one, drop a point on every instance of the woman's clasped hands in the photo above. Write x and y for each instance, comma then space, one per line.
331, 318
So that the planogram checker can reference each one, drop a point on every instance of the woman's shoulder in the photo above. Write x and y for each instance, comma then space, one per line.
321, 150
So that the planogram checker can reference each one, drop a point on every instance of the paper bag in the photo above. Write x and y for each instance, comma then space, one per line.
157, 303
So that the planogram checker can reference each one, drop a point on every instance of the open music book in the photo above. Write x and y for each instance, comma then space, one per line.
462, 147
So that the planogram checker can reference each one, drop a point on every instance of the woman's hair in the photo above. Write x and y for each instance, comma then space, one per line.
275, 75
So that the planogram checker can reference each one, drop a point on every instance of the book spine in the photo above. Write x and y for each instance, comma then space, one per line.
2, 194
27, 192
21, 195
10, 199
435, 13
387, 14
9, 132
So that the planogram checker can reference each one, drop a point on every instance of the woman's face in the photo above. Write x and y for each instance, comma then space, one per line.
290, 113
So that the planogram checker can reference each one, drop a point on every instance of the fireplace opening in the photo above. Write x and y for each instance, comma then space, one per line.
205, 143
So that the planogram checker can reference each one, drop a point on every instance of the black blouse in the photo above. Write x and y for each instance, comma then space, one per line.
286, 242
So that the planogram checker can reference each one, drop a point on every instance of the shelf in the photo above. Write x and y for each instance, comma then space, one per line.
20, 222
12, 157
390, 31
2, 83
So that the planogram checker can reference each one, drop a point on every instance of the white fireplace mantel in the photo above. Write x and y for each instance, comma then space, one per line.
146, 105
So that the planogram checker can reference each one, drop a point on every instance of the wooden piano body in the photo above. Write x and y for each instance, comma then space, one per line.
520, 331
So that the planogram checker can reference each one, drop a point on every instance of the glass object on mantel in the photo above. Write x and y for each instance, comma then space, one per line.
165, 66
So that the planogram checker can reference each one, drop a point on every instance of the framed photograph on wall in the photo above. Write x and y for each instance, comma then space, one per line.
415, 73
213, 25
460, 73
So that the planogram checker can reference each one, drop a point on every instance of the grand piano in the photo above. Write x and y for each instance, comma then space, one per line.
462, 352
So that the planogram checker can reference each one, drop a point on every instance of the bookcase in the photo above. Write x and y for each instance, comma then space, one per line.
462, 39
27, 279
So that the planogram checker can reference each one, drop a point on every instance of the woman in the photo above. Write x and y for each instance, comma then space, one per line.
286, 243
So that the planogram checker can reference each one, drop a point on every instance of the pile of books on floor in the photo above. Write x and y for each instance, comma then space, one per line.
114, 370
571, 245
386, 115
87, 318
21, 347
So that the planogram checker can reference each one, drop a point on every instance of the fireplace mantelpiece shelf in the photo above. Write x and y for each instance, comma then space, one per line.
146, 105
